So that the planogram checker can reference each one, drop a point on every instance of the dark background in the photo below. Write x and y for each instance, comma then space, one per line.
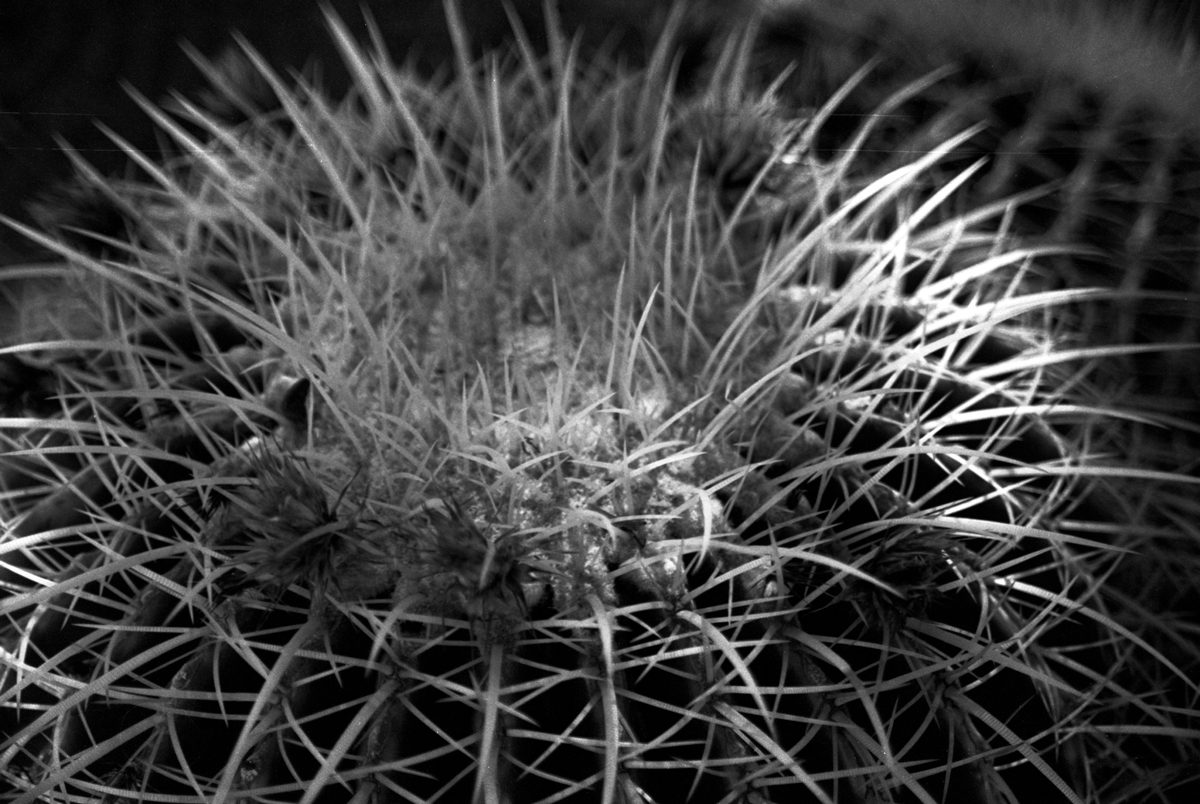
62, 62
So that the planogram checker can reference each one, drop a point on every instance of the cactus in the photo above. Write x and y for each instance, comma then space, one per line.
1086, 107
547, 435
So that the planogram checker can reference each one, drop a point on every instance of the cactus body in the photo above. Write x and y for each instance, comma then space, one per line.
548, 435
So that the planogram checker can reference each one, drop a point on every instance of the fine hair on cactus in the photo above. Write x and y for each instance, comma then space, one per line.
548, 432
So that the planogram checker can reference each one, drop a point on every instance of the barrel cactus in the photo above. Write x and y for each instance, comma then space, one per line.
547, 435
1084, 111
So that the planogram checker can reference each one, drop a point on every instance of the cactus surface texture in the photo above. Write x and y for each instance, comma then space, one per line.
563, 431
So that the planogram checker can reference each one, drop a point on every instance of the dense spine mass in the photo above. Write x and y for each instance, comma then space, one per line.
1084, 119
552, 434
